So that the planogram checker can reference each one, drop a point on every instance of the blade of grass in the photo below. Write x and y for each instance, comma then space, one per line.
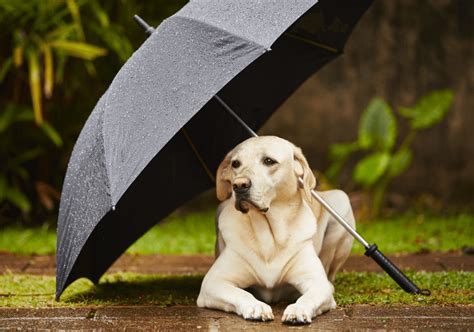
52, 134
35, 85
76, 16
5, 68
78, 49
18, 47
48, 70
18, 199
18, 56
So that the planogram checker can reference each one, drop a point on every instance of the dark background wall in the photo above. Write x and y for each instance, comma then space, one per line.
400, 51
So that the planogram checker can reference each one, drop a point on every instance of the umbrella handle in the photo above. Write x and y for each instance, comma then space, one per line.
398, 276
372, 251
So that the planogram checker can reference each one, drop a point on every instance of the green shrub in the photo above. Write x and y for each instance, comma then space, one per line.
57, 58
378, 133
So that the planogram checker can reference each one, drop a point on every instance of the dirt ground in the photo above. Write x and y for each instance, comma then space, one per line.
184, 264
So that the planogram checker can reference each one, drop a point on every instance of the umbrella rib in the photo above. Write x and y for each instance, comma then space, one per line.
312, 42
198, 155
232, 33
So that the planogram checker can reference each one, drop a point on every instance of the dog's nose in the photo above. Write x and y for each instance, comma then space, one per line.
242, 185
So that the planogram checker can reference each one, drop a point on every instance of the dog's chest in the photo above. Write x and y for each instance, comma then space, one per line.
268, 248
269, 240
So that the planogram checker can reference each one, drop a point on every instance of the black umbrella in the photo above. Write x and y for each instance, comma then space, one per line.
158, 126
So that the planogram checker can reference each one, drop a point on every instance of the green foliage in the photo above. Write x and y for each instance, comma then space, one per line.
13, 176
15, 179
377, 126
399, 162
382, 161
57, 58
371, 168
42, 31
429, 110
14, 196
338, 154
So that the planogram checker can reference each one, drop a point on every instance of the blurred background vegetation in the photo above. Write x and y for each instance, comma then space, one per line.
57, 57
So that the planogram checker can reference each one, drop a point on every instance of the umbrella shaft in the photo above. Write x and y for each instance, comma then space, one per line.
325, 204
339, 218
242, 122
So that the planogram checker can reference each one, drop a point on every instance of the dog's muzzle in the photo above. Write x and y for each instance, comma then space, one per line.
243, 204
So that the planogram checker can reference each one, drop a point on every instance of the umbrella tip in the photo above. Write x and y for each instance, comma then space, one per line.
141, 22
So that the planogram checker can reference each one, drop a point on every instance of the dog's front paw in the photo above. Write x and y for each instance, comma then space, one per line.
258, 311
296, 314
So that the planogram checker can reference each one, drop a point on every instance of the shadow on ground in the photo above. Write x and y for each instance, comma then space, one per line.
124, 288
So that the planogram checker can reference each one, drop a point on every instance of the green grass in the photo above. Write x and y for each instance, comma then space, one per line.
195, 233
378, 288
18, 240
412, 233
128, 288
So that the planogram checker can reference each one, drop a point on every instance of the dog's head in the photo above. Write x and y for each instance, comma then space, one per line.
262, 170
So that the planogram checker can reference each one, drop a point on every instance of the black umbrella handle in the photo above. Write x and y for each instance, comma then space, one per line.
400, 278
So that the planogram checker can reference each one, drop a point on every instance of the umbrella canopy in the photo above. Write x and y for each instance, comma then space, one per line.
156, 136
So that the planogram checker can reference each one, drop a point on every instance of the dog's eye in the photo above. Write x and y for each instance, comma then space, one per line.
269, 161
235, 164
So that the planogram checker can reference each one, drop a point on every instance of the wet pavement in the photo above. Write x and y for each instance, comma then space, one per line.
185, 264
190, 318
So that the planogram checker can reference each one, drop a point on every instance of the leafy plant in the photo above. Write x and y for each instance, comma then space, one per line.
39, 37
14, 176
45, 33
378, 133
57, 58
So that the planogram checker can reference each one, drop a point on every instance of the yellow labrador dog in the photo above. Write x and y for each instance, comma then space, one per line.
273, 240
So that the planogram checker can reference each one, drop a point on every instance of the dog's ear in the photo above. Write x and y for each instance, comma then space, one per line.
303, 170
223, 185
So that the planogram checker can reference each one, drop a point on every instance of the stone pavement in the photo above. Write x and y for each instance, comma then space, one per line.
185, 264
190, 318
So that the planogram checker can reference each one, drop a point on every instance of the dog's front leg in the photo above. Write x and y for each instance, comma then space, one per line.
307, 275
222, 289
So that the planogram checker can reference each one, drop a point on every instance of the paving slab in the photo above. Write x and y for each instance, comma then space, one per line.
186, 264
191, 318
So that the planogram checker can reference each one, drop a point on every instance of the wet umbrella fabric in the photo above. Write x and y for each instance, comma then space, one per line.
156, 136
